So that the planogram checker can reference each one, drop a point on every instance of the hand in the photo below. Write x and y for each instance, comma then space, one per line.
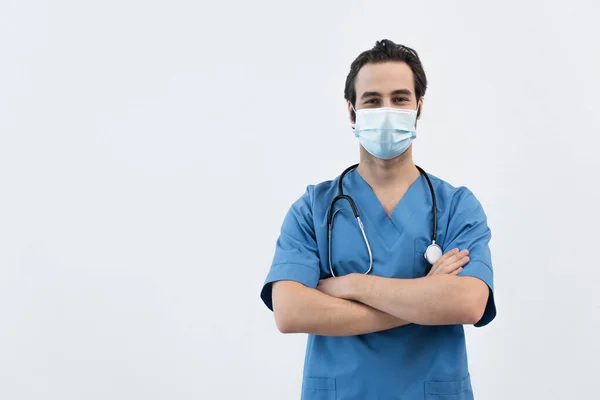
340, 287
451, 263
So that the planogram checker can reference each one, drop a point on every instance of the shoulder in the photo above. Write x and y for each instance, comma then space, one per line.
454, 198
315, 194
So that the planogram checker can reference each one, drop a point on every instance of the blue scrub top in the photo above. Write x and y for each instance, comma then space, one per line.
412, 362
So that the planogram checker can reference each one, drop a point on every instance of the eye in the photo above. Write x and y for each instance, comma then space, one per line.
372, 101
400, 99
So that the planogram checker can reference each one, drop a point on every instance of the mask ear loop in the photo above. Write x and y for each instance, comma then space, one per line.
353, 109
417, 117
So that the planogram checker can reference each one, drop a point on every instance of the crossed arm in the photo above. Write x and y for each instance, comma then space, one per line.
357, 304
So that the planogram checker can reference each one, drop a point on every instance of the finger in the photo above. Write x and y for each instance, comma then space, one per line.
448, 258
440, 261
455, 265
457, 271
452, 264
458, 256
445, 256
444, 264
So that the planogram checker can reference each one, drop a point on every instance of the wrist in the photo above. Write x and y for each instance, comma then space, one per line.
356, 284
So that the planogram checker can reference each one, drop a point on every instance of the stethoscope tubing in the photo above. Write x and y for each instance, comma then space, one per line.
348, 198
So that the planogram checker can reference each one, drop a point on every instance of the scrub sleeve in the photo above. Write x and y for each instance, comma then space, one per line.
468, 229
296, 254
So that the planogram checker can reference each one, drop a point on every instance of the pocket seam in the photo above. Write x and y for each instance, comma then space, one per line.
419, 256
445, 393
448, 388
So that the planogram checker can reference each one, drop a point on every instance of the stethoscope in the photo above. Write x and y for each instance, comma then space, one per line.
433, 252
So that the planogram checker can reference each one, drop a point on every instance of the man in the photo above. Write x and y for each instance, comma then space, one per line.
383, 323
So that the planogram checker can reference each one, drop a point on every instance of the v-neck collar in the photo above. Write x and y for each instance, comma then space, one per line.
390, 229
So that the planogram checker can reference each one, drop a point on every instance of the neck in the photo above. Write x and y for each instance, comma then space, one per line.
383, 174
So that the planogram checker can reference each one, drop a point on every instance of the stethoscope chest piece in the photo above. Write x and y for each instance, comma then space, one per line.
433, 253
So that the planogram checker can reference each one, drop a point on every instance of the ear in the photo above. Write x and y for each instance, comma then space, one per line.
420, 108
351, 114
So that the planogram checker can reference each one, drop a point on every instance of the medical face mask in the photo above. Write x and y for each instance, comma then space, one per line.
385, 132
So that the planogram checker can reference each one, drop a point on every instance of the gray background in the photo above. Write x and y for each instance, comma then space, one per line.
149, 151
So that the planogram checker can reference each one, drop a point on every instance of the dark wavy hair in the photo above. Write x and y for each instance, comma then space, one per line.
386, 50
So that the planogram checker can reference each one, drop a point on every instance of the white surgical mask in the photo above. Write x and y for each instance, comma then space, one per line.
385, 132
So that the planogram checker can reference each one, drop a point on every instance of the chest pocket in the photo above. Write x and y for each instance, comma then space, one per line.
421, 266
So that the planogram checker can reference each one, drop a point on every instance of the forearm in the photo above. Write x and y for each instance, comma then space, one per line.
299, 309
432, 300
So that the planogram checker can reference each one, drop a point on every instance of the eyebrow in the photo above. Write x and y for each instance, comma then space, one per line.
377, 94
402, 91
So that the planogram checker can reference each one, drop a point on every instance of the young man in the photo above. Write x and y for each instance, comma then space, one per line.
383, 322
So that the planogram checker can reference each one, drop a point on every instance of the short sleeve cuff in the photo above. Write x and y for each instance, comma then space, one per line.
288, 272
478, 269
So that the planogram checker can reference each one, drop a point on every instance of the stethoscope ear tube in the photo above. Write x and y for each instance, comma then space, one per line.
341, 180
434, 206
335, 200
